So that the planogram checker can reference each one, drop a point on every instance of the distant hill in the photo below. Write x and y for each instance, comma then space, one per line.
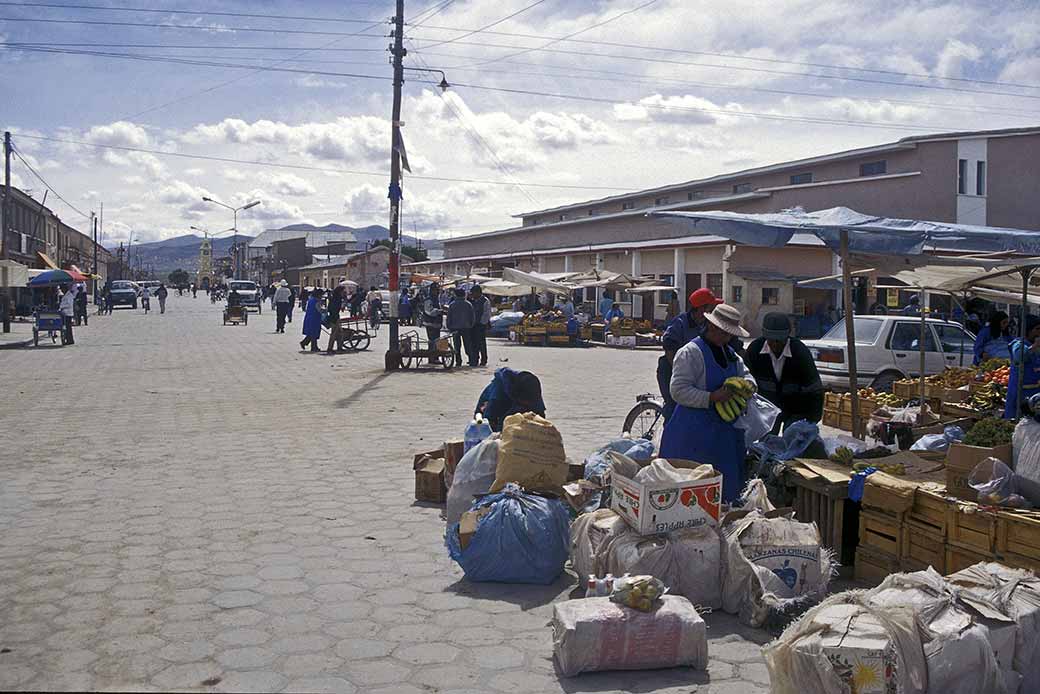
179, 252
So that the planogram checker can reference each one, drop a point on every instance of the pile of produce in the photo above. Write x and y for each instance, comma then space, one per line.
543, 317
990, 432
952, 377
988, 397
844, 456
735, 406
998, 375
992, 365
881, 399
890, 468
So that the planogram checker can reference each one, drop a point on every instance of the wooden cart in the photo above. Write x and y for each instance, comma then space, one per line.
236, 315
417, 351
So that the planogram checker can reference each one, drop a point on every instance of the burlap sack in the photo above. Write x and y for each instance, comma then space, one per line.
531, 454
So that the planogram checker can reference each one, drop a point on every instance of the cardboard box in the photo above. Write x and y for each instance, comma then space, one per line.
468, 524
859, 650
429, 480
666, 506
453, 451
962, 459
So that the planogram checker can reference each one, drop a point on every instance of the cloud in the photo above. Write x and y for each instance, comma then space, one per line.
233, 175
354, 139
293, 185
195, 172
369, 203
687, 109
955, 56
118, 134
1023, 70
186, 198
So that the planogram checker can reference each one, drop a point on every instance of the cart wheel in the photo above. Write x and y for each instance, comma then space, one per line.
406, 362
36, 337
360, 341
447, 361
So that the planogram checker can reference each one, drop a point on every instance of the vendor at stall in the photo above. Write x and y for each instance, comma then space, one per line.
992, 341
785, 372
1025, 357
695, 431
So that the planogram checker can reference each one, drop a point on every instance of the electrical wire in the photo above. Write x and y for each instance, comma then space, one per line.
205, 46
492, 24
45, 183
431, 12
207, 13
185, 27
304, 167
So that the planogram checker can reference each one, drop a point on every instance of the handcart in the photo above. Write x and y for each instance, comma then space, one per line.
236, 315
50, 322
417, 351
354, 335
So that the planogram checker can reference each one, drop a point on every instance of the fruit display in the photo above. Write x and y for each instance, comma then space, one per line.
890, 468
842, 455
992, 365
735, 406
988, 397
990, 432
881, 399
999, 375
953, 377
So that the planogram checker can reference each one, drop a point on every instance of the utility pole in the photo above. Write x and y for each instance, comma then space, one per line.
95, 260
4, 240
392, 360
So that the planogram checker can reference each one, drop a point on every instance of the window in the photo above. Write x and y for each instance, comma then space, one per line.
954, 339
590, 293
741, 188
563, 217
801, 179
907, 336
873, 168
736, 294
592, 213
770, 296
661, 201
690, 196
715, 283
980, 178
664, 297
866, 330
628, 206
962, 176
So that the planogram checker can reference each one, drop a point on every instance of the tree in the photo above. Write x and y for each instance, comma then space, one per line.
178, 278
412, 252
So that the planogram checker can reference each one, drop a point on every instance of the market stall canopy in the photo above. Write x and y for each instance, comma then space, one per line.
866, 233
50, 278
648, 288
503, 288
13, 274
533, 282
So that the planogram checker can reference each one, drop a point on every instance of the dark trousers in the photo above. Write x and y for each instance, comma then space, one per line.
312, 341
67, 321
478, 336
281, 311
288, 310
433, 333
463, 339
81, 315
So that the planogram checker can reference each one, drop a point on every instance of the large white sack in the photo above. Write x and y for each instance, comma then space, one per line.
594, 634
1025, 445
689, 562
842, 645
771, 566
473, 475
1017, 593
590, 533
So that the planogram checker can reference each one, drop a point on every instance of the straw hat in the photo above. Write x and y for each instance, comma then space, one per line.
727, 319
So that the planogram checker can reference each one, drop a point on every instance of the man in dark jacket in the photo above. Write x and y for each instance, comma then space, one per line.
785, 372
460, 323
510, 392
481, 322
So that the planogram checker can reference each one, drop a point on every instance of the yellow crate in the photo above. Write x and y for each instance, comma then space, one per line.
1018, 533
929, 511
959, 558
874, 567
922, 547
973, 531
880, 532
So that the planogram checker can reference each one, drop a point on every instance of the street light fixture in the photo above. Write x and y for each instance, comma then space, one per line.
235, 211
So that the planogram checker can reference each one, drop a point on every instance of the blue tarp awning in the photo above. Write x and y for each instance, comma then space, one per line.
867, 234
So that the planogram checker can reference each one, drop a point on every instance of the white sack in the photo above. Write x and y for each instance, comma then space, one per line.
1025, 445
590, 534
595, 634
771, 566
660, 470
473, 475
689, 562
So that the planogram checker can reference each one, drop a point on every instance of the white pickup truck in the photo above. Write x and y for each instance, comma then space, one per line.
888, 349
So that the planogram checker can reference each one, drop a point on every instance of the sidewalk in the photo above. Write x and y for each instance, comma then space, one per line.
20, 335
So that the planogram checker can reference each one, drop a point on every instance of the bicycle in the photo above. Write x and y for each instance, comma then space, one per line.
646, 419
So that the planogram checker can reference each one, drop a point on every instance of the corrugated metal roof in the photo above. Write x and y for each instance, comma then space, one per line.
315, 239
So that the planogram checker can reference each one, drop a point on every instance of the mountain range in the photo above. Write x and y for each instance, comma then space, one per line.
163, 257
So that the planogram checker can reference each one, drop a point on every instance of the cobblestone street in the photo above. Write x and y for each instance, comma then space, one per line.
188, 506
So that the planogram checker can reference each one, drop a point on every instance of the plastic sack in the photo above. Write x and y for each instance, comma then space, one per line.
523, 539
1025, 445
591, 533
797, 437
595, 634
638, 592
833, 443
597, 463
473, 476
660, 470
756, 497
995, 483
758, 419
939, 442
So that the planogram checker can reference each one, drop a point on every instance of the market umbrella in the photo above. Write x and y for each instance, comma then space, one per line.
50, 278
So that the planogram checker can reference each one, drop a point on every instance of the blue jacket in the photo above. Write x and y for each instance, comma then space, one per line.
496, 402
312, 319
984, 338
614, 313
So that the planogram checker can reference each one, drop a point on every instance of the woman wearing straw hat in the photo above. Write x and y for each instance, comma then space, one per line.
696, 431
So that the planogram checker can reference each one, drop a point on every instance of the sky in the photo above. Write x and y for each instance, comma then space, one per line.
551, 102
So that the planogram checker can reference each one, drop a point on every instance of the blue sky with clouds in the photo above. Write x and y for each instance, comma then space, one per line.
655, 93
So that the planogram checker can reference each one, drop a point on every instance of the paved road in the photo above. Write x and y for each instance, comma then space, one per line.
188, 506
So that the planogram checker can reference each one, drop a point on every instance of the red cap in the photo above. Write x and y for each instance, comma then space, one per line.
704, 297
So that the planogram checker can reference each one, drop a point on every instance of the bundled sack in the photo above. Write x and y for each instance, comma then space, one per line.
473, 476
597, 463
1025, 445
1017, 594
522, 539
595, 634
531, 455
591, 534
772, 567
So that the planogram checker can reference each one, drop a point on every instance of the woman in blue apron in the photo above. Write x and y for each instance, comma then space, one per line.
993, 339
695, 431
1024, 358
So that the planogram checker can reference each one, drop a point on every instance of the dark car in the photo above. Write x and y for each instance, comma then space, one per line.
123, 293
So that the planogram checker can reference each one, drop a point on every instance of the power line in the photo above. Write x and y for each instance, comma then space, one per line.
206, 46
431, 12
304, 167
186, 27
191, 12
44, 182
492, 24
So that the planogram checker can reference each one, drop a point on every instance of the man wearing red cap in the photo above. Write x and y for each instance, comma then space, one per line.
681, 331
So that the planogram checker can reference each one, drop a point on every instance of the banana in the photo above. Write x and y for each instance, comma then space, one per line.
740, 401
721, 409
732, 409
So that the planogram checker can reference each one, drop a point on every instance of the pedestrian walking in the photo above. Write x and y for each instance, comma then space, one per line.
282, 303
292, 304
161, 293
375, 307
481, 323
432, 316
146, 299
335, 329
460, 323
404, 309
194, 291
312, 321
81, 304
67, 307
356, 300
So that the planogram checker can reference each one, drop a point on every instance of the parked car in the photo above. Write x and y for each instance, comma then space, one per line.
151, 285
888, 349
248, 293
124, 293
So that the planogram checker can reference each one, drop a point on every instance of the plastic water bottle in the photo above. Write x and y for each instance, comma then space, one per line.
483, 427
476, 431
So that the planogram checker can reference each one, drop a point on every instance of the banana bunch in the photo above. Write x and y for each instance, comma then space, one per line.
890, 468
735, 406
888, 400
842, 455
988, 397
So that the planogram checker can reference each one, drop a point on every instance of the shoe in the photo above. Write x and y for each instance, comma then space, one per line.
303, 344
483, 363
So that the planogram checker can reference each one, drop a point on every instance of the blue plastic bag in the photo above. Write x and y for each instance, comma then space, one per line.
525, 538
639, 450
796, 438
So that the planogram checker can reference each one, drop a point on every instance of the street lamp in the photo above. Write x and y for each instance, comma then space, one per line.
235, 211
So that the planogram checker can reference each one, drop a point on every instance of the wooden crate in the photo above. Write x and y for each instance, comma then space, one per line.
906, 389
535, 329
880, 532
953, 409
823, 503
530, 339
1017, 561
929, 510
922, 547
874, 567
831, 418
973, 531
959, 558
866, 405
1018, 533
832, 401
